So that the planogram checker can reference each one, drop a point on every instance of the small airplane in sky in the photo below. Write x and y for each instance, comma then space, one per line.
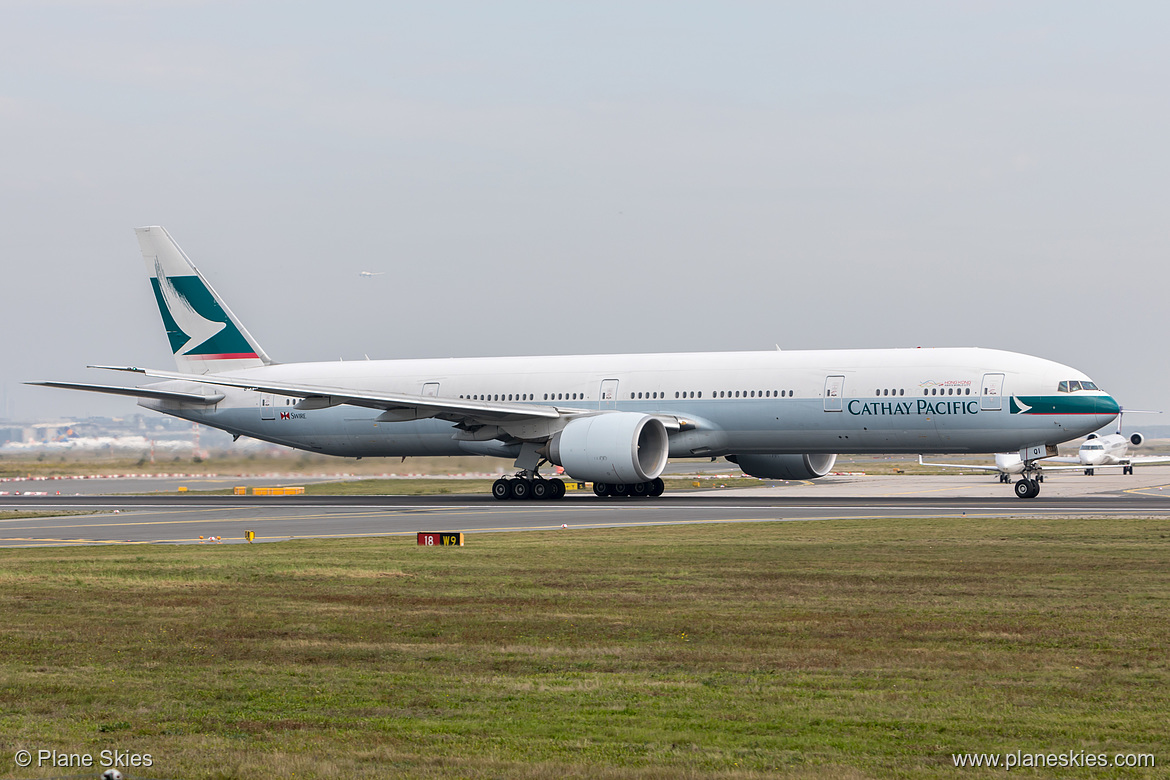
370, 274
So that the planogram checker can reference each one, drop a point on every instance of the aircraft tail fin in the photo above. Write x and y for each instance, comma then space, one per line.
204, 334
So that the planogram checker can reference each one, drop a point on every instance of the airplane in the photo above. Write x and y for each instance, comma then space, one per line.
1006, 465
1111, 452
612, 420
1097, 452
370, 274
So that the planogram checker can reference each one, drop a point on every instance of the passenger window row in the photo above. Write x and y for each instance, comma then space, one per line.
523, 397
639, 396
752, 394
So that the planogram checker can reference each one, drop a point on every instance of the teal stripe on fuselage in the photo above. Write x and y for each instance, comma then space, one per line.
1064, 404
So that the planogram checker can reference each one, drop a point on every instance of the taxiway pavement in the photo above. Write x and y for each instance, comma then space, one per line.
183, 519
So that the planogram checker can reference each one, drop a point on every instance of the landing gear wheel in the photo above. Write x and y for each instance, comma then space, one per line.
619, 491
541, 490
640, 489
557, 487
501, 491
1027, 488
1088, 472
521, 489
1127, 471
601, 489
657, 487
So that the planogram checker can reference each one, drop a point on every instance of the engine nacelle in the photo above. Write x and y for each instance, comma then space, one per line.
1136, 439
784, 466
616, 448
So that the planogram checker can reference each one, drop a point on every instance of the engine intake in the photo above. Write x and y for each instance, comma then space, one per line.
619, 447
784, 466
1136, 439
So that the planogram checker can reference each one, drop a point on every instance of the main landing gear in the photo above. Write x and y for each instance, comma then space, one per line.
523, 487
651, 489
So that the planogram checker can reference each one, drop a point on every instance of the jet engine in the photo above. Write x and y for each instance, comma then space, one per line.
615, 448
784, 466
1136, 439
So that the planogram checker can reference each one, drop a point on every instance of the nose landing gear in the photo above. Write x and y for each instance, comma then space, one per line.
1027, 488
1030, 479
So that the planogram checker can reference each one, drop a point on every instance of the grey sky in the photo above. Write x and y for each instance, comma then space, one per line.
587, 177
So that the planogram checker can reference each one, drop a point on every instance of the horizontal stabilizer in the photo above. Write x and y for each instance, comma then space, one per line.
137, 392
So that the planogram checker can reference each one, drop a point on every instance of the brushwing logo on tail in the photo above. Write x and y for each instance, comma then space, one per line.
197, 328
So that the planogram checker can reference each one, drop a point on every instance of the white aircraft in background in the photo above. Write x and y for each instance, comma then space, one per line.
1097, 452
370, 274
1006, 464
613, 420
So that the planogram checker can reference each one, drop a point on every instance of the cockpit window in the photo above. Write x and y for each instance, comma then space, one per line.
1073, 385
1085, 385
1063, 388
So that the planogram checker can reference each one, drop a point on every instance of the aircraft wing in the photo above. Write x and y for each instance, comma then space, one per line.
968, 466
399, 406
1131, 460
137, 392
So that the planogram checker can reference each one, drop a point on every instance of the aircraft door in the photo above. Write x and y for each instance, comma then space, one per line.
991, 394
608, 394
834, 390
267, 406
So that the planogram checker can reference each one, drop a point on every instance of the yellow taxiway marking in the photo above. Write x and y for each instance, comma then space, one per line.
931, 490
584, 526
1141, 490
206, 520
71, 541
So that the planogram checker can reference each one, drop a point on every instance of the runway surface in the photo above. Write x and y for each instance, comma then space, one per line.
182, 519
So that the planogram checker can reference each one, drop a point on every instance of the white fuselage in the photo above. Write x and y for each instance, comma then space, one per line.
840, 401
1108, 450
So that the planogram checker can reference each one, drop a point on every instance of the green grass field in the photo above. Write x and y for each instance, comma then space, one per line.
812, 649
